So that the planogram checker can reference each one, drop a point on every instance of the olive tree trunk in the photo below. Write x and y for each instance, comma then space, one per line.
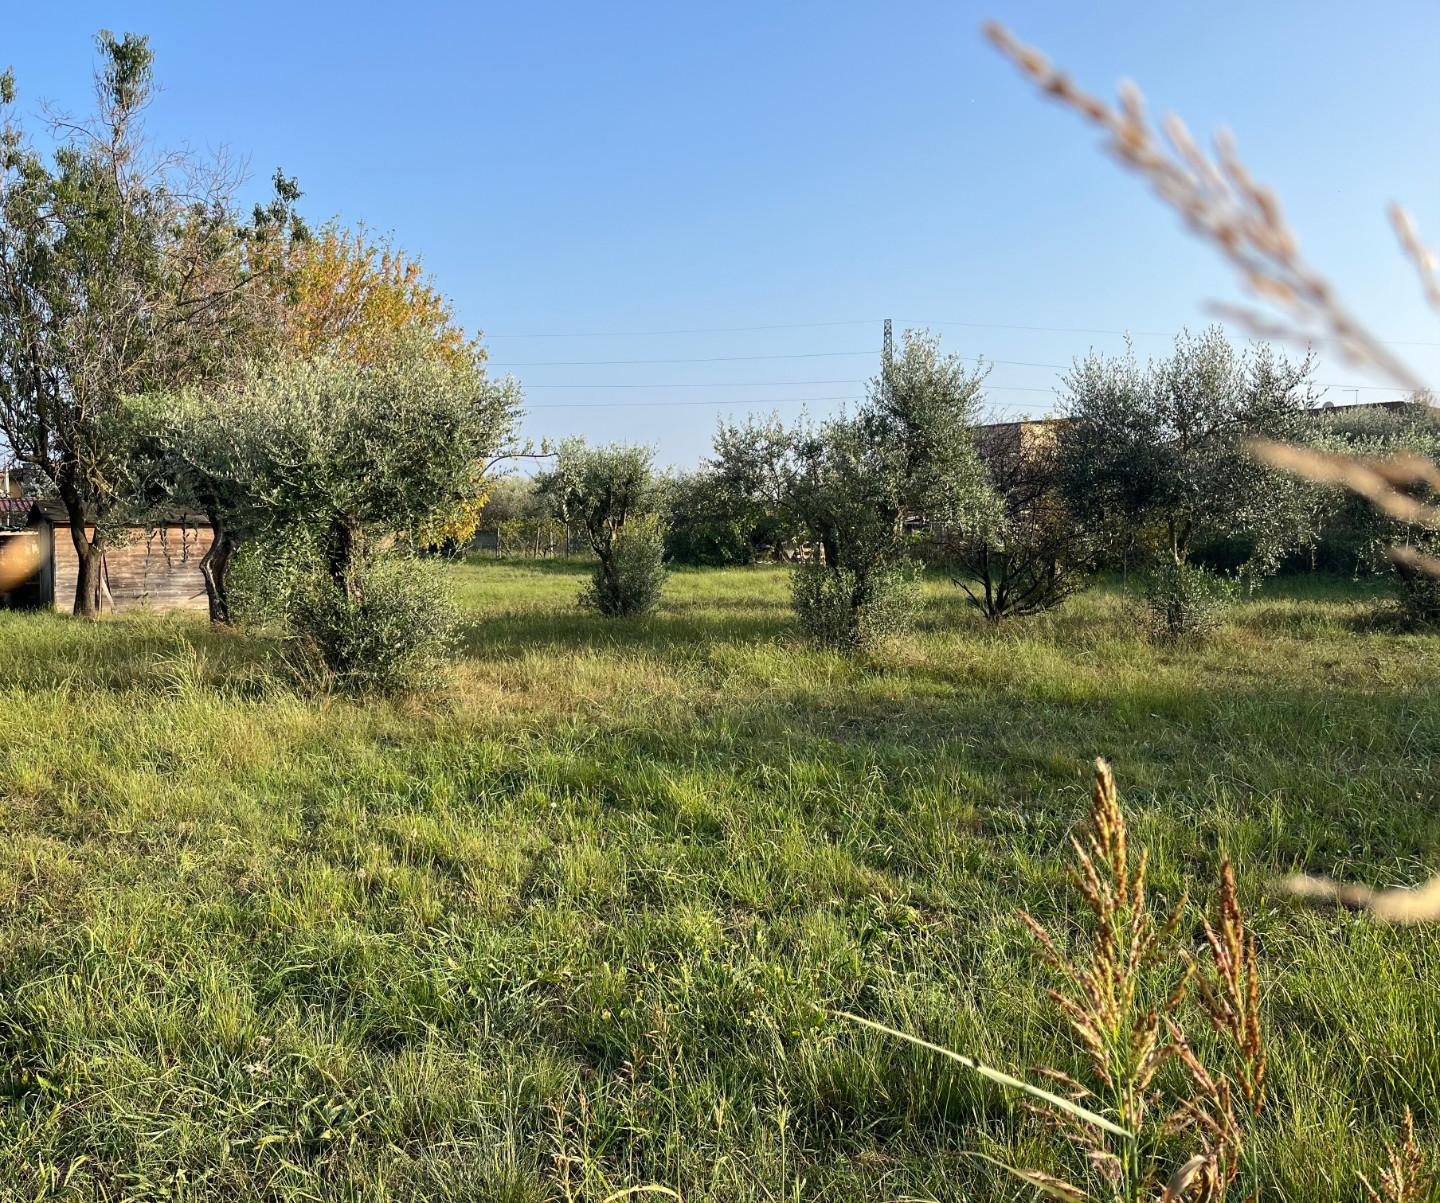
343, 546
215, 568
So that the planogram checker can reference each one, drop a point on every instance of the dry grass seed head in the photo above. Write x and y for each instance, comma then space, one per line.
1410, 1175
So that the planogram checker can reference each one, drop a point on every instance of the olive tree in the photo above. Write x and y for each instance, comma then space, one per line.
357, 452
1158, 454
1033, 553
193, 447
860, 484
1358, 535
749, 483
613, 495
1161, 448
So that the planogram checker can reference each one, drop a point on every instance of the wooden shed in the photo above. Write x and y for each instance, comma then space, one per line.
153, 567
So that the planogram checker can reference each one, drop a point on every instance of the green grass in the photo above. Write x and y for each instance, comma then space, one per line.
568, 930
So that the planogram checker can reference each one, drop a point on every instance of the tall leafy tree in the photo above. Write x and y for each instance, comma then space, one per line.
122, 270
352, 294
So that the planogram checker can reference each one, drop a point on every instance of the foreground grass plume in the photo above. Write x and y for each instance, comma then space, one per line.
1410, 1175
1122, 992
1420, 905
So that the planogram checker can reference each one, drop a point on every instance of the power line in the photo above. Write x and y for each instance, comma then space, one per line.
1380, 388
743, 401
1392, 342
707, 330
588, 363
585, 363
727, 401
918, 322
703, 384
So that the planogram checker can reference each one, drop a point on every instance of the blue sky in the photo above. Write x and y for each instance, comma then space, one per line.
594, 183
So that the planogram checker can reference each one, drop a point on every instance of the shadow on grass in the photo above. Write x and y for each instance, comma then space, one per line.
674, 632
556, 566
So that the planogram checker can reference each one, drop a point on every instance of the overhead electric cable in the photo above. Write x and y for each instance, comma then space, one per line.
914, 322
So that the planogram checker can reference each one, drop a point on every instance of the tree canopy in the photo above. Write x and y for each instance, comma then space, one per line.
123, 270
1164, 445
349, 450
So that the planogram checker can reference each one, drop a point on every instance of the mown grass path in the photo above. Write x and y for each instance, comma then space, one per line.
569, 929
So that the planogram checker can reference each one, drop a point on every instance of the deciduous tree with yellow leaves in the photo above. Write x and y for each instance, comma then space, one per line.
351, 294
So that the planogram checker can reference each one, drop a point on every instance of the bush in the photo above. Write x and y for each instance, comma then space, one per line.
267, 573
1418, 592
629, 581
392, 632
838, 610
1185, 602
708, 541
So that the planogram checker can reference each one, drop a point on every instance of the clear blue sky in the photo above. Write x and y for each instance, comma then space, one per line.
578, 170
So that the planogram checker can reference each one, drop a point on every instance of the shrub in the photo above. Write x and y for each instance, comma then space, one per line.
629, 581
266, 574
1415, 589
838, 609
1183, 601
392, 631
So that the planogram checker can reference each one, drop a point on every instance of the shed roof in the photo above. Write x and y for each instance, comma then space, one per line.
55, 513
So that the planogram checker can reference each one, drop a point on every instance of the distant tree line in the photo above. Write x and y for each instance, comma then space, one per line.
1148, 471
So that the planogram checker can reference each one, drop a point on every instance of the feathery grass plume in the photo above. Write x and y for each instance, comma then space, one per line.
1230, 993
1123, 1121
1382, 482
1420, 905
1222, 202
1423, 258
1122, 995
1410, 1175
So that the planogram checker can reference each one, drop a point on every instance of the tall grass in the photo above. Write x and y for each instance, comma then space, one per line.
574, 927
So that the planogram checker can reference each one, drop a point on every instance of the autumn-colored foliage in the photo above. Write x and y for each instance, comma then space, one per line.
351, 293
456, 525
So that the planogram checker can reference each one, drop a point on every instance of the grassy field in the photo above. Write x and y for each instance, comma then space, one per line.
569, 929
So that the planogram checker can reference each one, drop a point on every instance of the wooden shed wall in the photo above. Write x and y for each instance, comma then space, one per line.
158, 569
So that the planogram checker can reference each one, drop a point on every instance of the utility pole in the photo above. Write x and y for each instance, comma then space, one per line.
887, 357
